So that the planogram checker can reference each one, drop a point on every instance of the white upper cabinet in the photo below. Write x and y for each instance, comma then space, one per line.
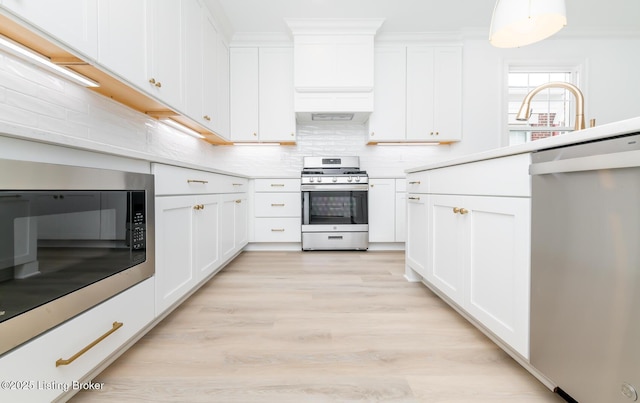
277, 120
122, 36
418, 94
166, 51
434, 93
244, 95
141, 42
201, 68
262, 94
223, 88
388, 121
72, 22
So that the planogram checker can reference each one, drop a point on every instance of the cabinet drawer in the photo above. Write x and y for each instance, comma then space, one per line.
277, 185
172, 180
277, 229
418, 182
506, 176
35, 361
277, 205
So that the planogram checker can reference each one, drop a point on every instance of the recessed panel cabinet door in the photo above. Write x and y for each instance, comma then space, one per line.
382, 200
499, 268
277, 119
244, 94
207, 254
174, 249
417, 233
388, 120
448, 246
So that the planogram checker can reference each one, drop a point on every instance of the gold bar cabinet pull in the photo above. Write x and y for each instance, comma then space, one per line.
196, 181
61, 361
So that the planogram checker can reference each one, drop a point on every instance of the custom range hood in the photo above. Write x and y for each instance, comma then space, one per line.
333, 68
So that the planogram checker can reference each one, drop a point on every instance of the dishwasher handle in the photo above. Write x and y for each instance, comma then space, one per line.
626, 159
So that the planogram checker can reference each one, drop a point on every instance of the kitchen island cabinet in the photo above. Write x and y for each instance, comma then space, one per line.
475, 253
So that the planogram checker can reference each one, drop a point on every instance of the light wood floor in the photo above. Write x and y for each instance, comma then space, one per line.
315, 327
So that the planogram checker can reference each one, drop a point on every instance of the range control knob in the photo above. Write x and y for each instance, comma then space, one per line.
311, 180
357, 179
334, 179
319, 179
349, 179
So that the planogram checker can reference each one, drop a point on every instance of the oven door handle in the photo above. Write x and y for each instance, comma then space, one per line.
334, 188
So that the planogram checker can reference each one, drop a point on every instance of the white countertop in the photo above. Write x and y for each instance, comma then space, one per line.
594, 133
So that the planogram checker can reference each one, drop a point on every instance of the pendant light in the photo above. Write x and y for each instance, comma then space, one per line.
518, 23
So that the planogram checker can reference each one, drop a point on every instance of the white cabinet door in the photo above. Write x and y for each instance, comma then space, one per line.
401, 216
244, 94
447, 115
72, 22
498, 269
420, 97
382, 200
388, 120
417, 233
447, 246
234, 224
276, 115
434, 93
193, 37
222, 122
166, 51
211, 115
175, 275
207, 256
123, 39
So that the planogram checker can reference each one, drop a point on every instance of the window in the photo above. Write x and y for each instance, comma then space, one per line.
552, 110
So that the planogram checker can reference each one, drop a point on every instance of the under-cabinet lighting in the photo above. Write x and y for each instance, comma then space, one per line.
256, 144
407, 144
28, 55
184, 129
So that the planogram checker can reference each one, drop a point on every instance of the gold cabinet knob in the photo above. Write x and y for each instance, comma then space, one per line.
207, 118
158, 84
373, 133
152, 80
463, 211
239, 201
292, 134
456, 210
255, 134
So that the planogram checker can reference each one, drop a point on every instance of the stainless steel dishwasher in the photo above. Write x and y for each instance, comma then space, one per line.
585, 269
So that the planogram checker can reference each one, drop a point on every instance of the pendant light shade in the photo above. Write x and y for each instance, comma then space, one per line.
518, 23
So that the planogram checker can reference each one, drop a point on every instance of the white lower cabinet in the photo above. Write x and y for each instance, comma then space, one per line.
188, 249
234, 223
479, 258
417, 233
387, 210
30, 373
277, 210
196, 232
469, 240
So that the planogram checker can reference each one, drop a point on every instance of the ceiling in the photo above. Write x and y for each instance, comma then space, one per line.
411, 16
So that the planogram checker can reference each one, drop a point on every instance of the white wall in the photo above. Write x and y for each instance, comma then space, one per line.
35, 105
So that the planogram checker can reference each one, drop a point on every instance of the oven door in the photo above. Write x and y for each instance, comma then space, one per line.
328, 208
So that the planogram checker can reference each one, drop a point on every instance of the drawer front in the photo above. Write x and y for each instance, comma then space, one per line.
35, 361
506, 176
172, 180
277, 205
277, 185
418, 182
277, 229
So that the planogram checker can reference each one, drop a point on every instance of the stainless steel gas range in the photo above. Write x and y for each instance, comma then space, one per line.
334, 204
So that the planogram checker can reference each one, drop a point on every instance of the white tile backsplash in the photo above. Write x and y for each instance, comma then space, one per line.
33, 98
